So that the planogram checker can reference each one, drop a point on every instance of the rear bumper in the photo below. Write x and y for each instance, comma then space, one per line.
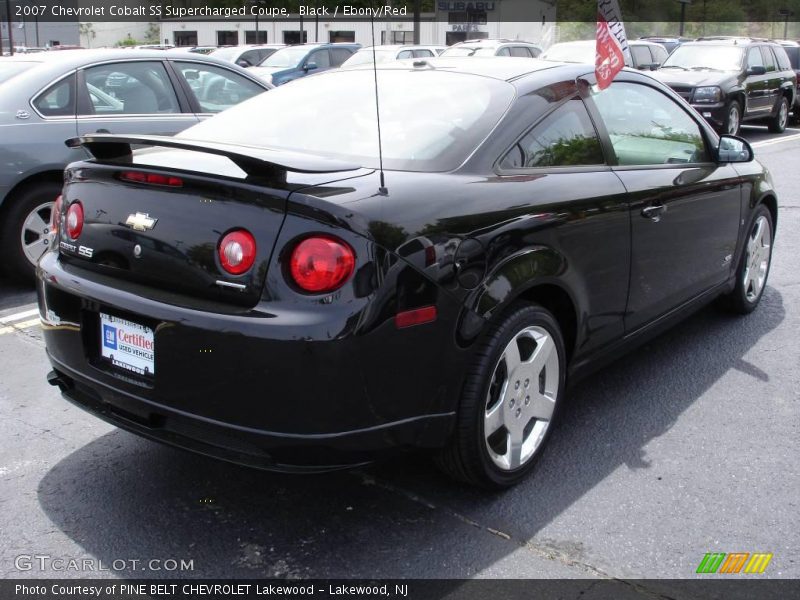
276, 386
267, 450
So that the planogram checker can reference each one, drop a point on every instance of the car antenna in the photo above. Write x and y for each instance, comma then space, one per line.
382, 189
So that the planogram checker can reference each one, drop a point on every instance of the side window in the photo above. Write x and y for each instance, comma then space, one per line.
423, 53
339, 55
659, 54
647, 127
405, 54
769, 59
784, 64
130, 88
520, 51
216, 88
503, 52
320, 58
641, 55
754, 58
58, 100
566, 137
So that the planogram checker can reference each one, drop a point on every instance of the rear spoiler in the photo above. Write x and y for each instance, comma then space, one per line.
256, 162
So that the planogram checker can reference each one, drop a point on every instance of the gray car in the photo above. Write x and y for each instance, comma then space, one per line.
49, 97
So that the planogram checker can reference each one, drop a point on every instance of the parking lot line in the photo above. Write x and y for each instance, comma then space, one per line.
779, 140
17, 316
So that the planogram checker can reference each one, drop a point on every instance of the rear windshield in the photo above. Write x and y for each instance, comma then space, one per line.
9, 69
430, 120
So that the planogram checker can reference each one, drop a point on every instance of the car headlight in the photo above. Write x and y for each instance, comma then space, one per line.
707, 95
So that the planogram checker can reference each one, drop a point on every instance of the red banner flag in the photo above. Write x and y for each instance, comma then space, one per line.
612, 44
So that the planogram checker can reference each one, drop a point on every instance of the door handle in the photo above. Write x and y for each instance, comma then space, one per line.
654, 212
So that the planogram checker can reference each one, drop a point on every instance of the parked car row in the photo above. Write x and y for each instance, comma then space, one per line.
48, 97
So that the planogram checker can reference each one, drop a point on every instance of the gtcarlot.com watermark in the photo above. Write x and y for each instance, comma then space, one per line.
47, 562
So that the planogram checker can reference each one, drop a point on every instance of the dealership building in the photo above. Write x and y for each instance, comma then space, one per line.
453, 21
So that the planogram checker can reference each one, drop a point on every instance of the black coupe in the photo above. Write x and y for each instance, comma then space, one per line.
258, 289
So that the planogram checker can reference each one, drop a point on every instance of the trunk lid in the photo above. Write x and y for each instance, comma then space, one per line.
166, 236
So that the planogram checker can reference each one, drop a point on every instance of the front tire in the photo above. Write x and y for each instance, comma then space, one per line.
777, 124
510, 401
733, 118
25, 229
754, 264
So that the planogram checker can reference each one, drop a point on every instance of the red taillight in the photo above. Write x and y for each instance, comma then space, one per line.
418, 316
321, 264
151, 178
55, 215
74, 220
237, 251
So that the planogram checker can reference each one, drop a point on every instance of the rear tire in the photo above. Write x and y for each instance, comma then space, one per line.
25, 229
777, 124
510, 401
754, 263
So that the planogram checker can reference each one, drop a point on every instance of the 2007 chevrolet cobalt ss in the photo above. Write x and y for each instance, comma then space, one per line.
252, 289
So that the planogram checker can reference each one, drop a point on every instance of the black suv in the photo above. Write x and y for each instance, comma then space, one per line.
732, 80
792, 49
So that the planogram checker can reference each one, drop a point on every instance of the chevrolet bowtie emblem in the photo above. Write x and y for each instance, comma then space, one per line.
141, 221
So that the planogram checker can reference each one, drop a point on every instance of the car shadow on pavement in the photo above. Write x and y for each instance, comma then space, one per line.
122, 498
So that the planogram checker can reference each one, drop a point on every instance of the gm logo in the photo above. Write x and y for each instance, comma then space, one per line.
110, 337
719, 562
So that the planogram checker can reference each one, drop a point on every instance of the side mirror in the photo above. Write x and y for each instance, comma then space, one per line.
244, 63
733, 149
310, 66
757, 70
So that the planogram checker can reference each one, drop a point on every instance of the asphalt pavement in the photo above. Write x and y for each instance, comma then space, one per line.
689, 445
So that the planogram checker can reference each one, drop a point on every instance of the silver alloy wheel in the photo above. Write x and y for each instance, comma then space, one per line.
36, 236
733, 119
783, 114
521, 399
757, 260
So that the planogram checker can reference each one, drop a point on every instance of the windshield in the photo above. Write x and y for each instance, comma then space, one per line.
364, 56
225, 53
469, 51
10, 69
573, 53
286, 57
695, 56
430, 120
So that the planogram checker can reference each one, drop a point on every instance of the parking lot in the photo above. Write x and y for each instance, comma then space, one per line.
685, 447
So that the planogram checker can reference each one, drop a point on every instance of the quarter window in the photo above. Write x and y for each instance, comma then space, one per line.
647, 127
566, 137
58, 100
130, 88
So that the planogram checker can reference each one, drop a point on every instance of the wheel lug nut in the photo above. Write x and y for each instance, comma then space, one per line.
511, 403
516, 385
519, 410
527, 400
527, 382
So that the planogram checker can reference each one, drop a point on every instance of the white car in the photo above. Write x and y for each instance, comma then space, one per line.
391, 52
